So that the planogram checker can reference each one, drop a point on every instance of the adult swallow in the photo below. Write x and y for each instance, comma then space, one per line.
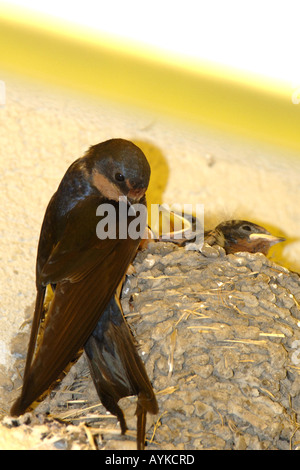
241, 235
85, 273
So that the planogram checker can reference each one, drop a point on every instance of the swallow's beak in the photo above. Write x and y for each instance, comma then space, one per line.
267, 237
135, 195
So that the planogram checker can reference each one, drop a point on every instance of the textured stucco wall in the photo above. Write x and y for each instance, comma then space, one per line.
43, 130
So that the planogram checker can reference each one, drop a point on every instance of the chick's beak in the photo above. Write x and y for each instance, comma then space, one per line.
270, 239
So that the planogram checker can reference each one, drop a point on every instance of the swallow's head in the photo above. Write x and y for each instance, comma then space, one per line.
241, 235
118, 169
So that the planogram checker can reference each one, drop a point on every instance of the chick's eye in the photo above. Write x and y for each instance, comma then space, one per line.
247, 228
119, 177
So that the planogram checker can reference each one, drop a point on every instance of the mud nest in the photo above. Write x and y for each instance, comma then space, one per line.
220, 338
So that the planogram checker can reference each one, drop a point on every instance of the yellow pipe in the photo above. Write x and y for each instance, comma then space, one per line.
100, 67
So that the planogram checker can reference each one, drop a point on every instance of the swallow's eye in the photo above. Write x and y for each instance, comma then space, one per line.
247, 228
119, 177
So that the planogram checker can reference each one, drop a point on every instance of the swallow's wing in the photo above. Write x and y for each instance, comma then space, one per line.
86, 272
69, 256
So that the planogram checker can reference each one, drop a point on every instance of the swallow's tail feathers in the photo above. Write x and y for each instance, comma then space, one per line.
117, 369
141, 426
104, 371
17, 408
